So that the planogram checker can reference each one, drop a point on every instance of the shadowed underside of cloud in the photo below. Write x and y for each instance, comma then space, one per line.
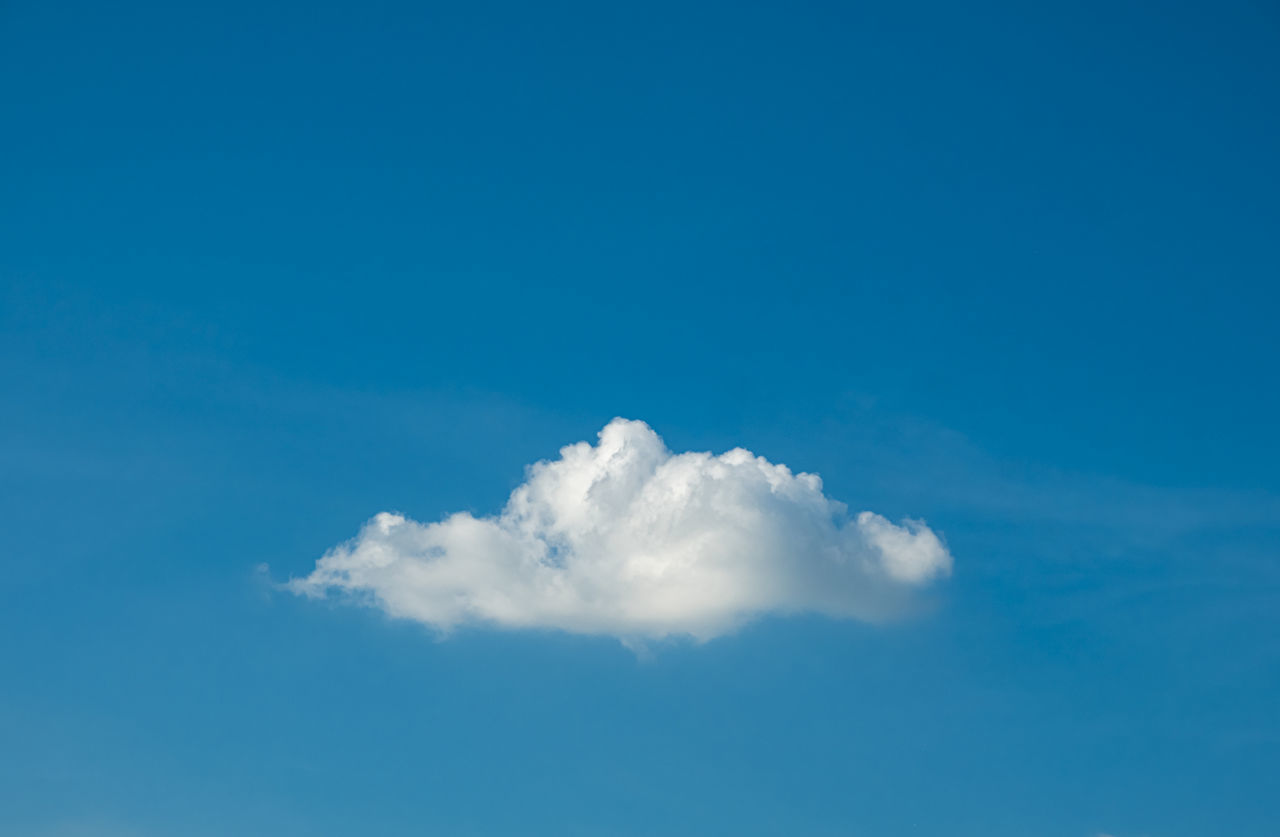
625, 538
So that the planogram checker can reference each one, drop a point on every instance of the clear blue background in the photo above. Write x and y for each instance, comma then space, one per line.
267, 270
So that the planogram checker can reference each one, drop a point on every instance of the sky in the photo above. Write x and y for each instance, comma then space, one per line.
639, 419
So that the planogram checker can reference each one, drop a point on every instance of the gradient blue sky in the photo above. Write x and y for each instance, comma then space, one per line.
269, 269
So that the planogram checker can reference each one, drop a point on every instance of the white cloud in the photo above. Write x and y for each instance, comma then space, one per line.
625, 538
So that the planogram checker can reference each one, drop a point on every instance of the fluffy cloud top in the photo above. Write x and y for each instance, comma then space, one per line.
625, 538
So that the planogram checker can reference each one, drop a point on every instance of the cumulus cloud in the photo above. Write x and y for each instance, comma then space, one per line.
626, 539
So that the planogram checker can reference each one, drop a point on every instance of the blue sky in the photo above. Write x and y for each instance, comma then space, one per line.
268, 270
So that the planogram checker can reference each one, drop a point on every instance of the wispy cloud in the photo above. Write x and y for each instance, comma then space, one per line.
625, 538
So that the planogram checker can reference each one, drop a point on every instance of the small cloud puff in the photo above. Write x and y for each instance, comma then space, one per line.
626, 539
